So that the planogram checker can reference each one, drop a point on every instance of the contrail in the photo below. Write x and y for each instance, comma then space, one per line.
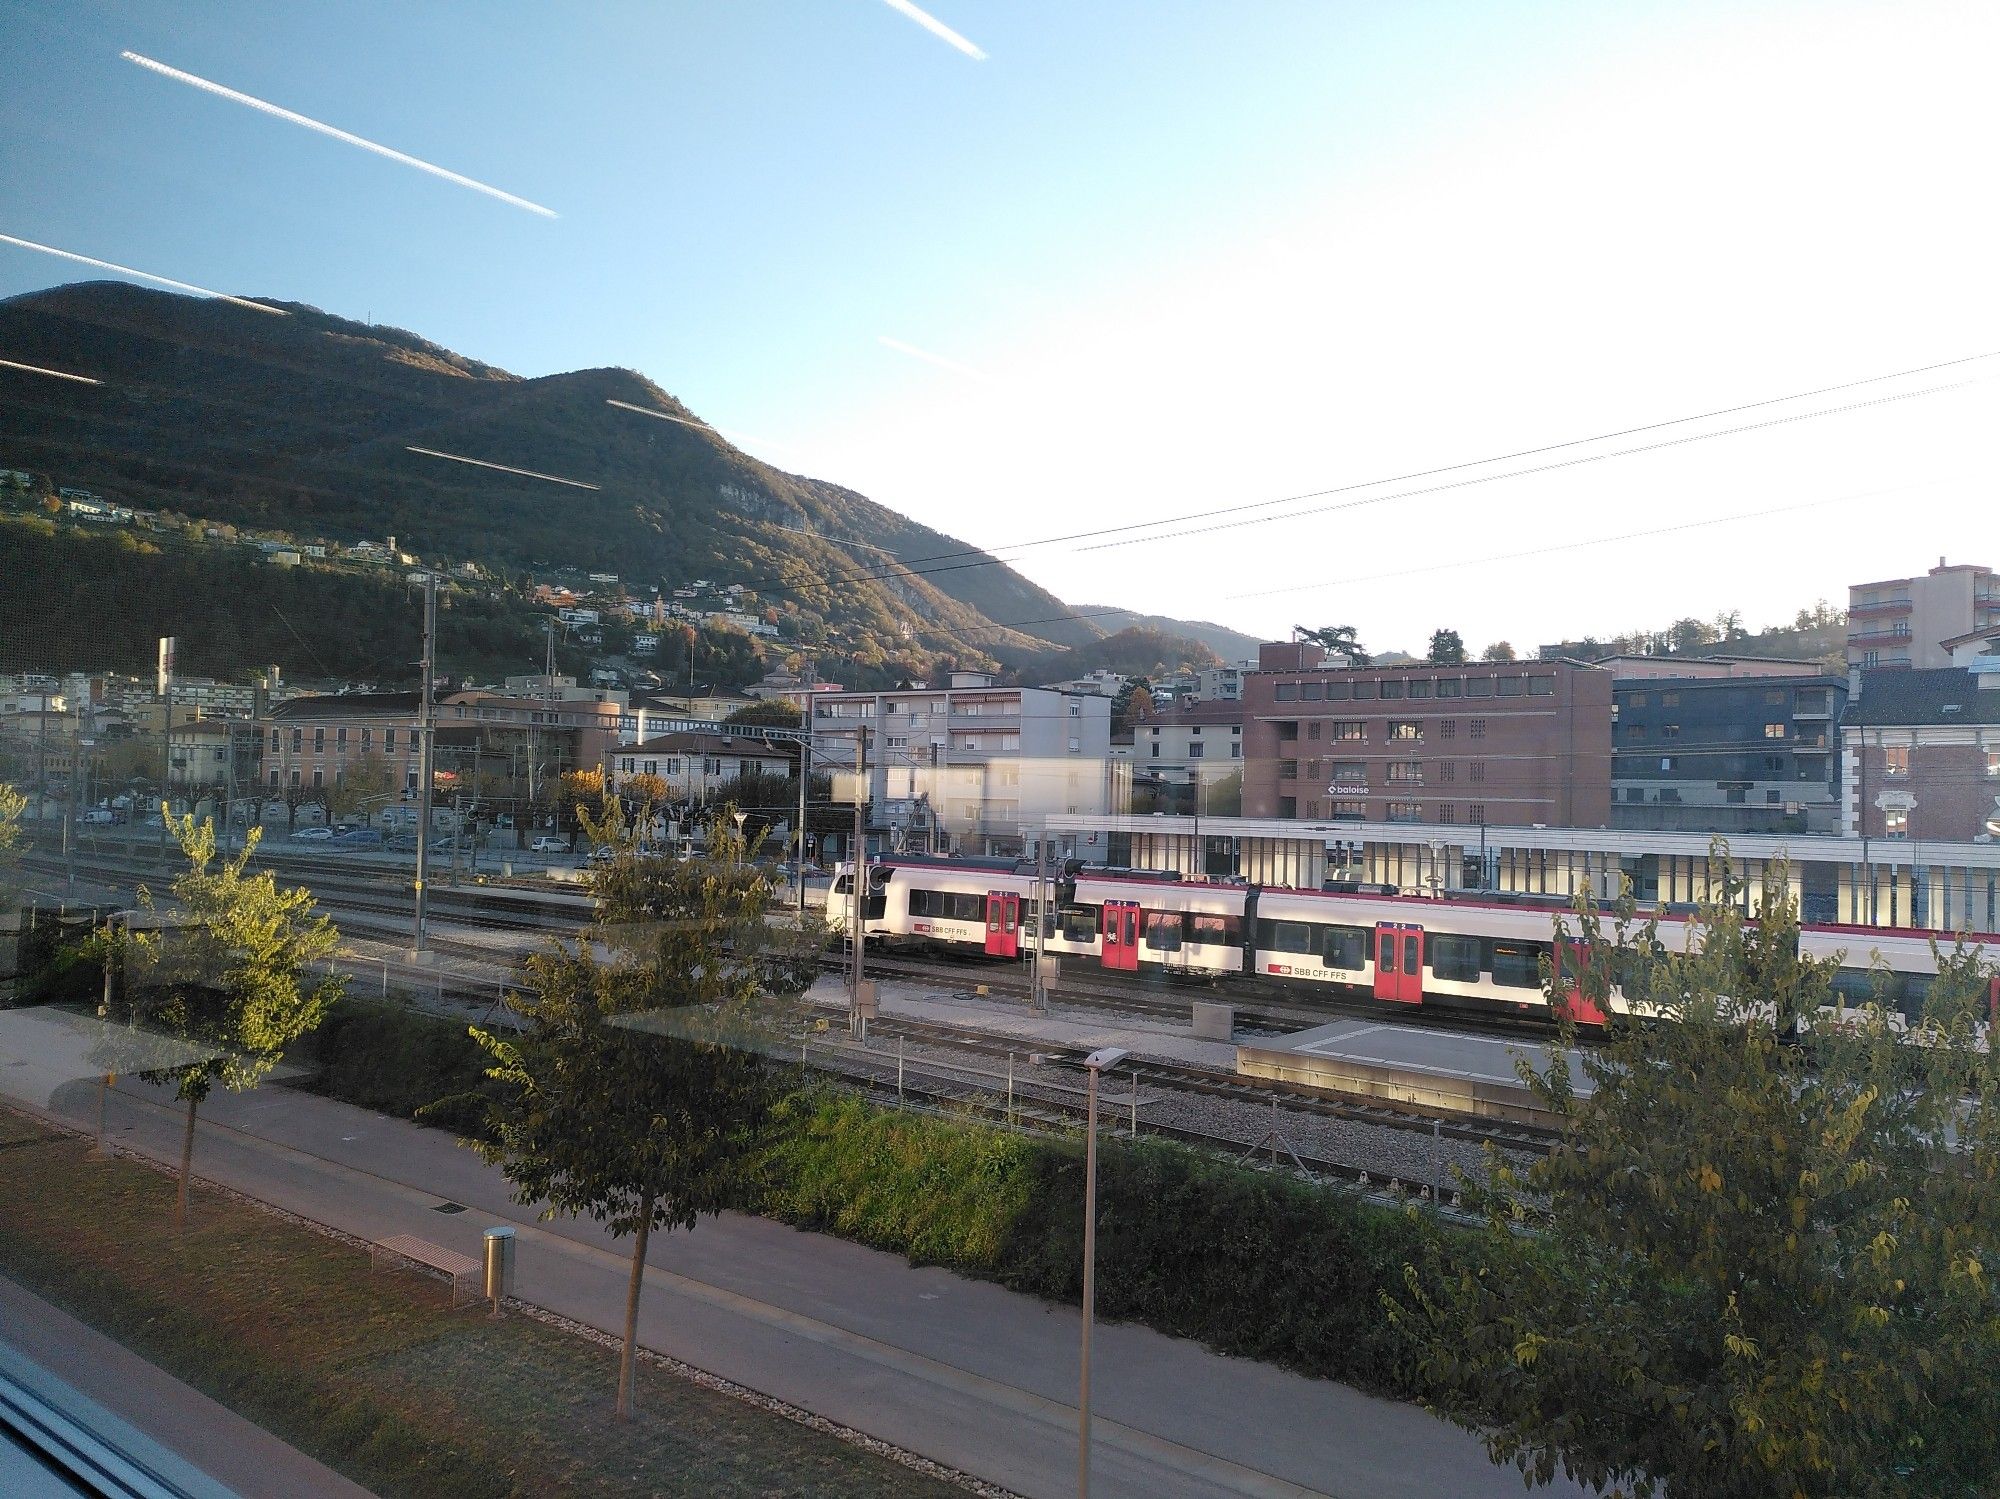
338, 134
936, 28
126, 270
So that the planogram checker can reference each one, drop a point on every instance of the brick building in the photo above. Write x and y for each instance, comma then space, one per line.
1920, 753
1503, 742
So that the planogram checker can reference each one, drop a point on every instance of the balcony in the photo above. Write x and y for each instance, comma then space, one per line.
1872, 637
1878, 606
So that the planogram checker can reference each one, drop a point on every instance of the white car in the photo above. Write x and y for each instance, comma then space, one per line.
549, 846
313, 835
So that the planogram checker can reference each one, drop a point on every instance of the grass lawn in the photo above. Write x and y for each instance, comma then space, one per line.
371, 1372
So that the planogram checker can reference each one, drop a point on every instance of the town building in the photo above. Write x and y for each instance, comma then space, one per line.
988, 762
1100, 683
1920, 751
1182, 752
696, 766
1723, 751
1505, 742
215, 754
1906, 621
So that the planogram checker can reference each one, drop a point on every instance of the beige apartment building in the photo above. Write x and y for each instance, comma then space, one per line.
1912, 621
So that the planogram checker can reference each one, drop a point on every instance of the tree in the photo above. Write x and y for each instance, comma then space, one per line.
1447, 649
224, 972
773, 713
1689, 635
366, 784
1500, 650
1133, 702
1336, 640
635, 1091
12, 805
576, 791
1762, 1272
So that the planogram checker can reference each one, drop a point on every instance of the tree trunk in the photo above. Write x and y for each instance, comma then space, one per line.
626, 1355
187, 1170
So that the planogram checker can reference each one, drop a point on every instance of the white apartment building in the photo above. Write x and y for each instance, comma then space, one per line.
694, 766
1910, 621
1196, 744
990, 762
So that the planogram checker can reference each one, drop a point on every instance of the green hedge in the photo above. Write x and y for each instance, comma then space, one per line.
1250, 1262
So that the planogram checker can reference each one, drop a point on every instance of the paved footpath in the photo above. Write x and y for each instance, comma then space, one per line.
959, 1370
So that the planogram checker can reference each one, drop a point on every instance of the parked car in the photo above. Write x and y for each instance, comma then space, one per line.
549, 845
360, 838
604, 853
313, 835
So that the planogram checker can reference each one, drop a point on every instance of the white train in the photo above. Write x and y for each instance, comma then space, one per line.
1469, 952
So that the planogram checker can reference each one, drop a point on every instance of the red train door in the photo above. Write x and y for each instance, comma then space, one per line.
1399, 964
1570, 962
1120, 926
1003, 924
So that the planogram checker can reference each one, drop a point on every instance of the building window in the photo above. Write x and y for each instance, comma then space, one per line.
319, 779
1479, 687
1194, 750
1286, 692
1896, 760
274, 776
1993, 762
674, 765
1670, 700
1670, 731
1236, 752
1774, 731
1635, 731
1349, 773
1408, 772
1477, 772
1668, 762
1365, 690
1406, 812
1477, 728
1349, 811
1405, 728
1775, 696
1512, 686
1449, 687
1445, 813
1392, 689
1477, 811
1448, 728
1637, 700
1896, 822
274, 741
1541, 686
1349, 729
1312, 729
1448, 771
298, 741
319, 741
1156, 751
340, 738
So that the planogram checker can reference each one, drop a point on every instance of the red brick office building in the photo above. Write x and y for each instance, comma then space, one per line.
1508, 743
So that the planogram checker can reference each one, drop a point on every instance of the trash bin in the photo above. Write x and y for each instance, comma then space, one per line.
499, 1266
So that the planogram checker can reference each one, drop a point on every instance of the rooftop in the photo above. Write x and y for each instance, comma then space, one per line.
1913, 696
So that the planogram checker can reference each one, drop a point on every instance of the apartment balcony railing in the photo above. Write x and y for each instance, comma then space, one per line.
1870, 637
1878, 606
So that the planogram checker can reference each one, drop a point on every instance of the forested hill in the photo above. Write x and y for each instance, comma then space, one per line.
302, 423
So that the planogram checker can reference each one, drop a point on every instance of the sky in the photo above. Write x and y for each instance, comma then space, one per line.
1106, 265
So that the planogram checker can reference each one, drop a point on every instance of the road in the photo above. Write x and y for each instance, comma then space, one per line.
959, 1370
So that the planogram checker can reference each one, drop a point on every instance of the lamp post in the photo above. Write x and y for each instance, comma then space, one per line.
1097, 1063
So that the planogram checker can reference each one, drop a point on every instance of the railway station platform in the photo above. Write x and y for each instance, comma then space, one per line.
1455, 1072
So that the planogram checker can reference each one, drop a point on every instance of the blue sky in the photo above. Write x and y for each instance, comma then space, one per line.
1196, 254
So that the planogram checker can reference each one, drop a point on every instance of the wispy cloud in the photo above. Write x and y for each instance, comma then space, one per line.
525, 473
36, 369
929, 358
126, 270
936, 28
279, 112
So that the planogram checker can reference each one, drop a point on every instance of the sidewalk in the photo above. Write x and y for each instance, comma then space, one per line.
242, 1457
959, 1370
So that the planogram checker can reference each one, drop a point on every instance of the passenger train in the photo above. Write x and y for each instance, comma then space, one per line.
1478, 952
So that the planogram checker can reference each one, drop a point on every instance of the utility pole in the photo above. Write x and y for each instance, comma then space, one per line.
805, 776
69, 794
858, 873
1039, 988
165, 683
427, 728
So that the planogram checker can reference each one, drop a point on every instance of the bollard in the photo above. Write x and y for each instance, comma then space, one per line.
1437, 1163
899, 1072
1135, 1103
1010, 1089
499, 1266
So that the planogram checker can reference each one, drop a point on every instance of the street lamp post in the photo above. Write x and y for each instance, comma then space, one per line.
1097, 1063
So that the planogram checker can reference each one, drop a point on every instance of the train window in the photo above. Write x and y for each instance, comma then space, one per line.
1517, 965
1163, 931
1286, 936
920, 902
1449, 686
1214, 931
966, 907
1345, 947
1855, 987
1079, 923
1456, 958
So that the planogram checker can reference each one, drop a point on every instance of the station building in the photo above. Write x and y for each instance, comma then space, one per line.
1502, 742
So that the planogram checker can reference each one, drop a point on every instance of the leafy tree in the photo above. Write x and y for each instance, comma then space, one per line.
1133, 702
12, 805
577, 790
635, 1091
1500, 650
1763, 1270
773, 713
1447, 649
365, 786
225, 971
1337, 640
